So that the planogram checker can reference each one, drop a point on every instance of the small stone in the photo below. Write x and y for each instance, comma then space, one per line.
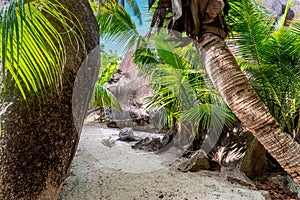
266, 194
197, 162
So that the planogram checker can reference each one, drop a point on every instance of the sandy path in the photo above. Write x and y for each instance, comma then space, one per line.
121, 173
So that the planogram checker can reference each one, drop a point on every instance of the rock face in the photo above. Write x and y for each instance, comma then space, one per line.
198, 161
130, 87
285, 182
255, 161
277, 7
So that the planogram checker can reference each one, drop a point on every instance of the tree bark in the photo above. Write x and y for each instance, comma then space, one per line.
39, 141
237, 92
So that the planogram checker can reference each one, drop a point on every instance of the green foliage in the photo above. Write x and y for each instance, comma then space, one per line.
33, 51
182, 90
102, 97
296, 30
136, 10
115, 24
133, 5
250, 27
109, 64
269, 54
208, 115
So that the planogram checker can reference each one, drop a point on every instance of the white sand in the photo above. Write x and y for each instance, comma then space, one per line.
121, 173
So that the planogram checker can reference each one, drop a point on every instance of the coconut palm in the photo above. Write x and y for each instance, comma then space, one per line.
117, 25
181, 89
44, 46
270, 57
204, 22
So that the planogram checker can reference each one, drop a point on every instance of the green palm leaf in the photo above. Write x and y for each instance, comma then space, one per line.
270, 58
102, 97
32, 49
179, 82
209, 115
132, 4
115, 24
296, 30
191, 55
251, 26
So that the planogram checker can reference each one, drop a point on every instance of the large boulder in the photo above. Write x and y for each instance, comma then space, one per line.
277, 7
130, 87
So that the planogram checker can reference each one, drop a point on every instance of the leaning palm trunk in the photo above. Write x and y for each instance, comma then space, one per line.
204, 22
39, 141
237, 92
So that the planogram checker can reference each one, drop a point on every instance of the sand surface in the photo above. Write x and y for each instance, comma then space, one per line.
121, 173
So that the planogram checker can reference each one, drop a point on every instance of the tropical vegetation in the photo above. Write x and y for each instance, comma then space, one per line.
209, 29
182, 90
172, 96
268, 52
44, 45
102, 97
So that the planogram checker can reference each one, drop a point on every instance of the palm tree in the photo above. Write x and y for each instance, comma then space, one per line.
133, 5
181, 89
171, 79
204, 22
270, 58
44, 57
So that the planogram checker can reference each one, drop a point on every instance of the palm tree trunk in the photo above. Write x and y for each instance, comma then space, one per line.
237, 92
39, 141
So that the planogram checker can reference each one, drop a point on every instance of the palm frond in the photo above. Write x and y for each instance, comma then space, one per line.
102, 97
209, 115
191, 55
209, 95
179, 82
172, 59
136, 10
146, 59
268, 52
277, 78
115, 24
33, 51
296, 30
251, 26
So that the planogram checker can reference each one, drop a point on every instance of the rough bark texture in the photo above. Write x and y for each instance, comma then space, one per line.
204, 22
38, 141
237, 92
